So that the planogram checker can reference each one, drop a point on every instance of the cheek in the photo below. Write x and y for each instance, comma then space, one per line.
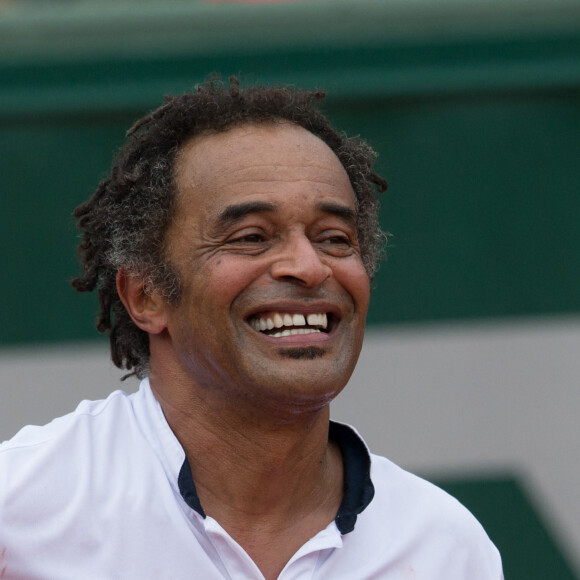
353, 278
222, 280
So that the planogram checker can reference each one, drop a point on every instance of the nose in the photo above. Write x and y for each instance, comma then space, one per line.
299, 260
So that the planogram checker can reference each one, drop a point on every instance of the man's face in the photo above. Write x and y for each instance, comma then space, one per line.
274, 292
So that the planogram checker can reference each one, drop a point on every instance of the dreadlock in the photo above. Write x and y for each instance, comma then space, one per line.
125, 221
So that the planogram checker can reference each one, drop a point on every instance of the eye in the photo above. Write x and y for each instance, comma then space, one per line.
248, 236
336, 243
249, 239
342, 239
335, 238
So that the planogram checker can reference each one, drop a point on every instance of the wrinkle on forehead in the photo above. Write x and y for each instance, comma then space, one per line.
243, 148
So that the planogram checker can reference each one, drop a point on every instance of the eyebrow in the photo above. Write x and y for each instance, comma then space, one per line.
345, 213
234, 213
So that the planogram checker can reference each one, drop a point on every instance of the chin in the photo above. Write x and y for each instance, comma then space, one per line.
304, 353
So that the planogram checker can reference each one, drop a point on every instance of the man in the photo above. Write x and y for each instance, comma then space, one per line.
232, 245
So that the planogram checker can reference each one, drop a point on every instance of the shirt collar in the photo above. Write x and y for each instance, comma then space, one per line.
358, 487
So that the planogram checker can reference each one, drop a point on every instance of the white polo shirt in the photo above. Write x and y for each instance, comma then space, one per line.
106, 493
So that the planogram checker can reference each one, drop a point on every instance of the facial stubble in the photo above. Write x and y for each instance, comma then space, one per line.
303, 353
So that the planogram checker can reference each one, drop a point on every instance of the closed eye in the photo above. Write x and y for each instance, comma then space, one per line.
247, 235
336, 244
339, 240
252, 241
335, 238
249, 239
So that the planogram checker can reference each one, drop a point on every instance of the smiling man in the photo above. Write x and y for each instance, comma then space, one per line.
233, 246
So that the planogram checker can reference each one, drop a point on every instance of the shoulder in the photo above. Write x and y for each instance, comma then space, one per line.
87, 416
52, 477
405, 493
90, 491
60, 451
421, 519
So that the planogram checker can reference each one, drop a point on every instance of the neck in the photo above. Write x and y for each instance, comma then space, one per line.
250, 463
271, 482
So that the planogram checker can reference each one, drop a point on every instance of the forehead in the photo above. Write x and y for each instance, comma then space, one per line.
259, 160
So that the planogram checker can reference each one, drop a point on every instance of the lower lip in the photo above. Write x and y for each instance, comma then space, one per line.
313, 337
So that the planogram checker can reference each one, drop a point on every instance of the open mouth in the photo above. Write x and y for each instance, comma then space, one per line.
277, 324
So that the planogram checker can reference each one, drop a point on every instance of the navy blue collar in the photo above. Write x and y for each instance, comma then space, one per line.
358, 487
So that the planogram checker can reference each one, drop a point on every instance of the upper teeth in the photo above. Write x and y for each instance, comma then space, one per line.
280, 319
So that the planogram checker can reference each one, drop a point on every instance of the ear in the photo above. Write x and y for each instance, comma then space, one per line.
146, 308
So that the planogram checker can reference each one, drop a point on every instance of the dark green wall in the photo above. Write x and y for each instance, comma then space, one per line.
483, 205
475, 114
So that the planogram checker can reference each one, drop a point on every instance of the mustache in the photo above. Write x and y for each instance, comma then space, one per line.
292, 292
